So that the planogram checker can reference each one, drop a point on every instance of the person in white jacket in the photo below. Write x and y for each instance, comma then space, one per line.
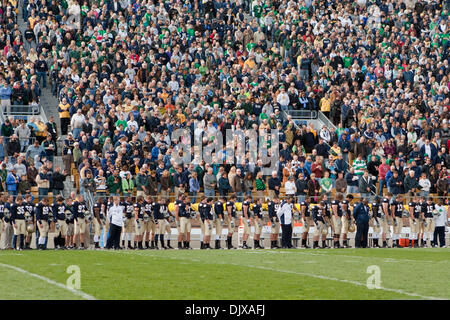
76, 123
290, 187
425, 185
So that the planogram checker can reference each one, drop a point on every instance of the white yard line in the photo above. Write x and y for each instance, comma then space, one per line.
399, 260
356, 283
50, 281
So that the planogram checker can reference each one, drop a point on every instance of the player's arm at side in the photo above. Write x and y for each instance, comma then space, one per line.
334, 209
411, 211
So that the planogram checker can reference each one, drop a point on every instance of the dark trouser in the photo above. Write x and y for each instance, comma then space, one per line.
42, 192
286, 235
439, 231
65, 122
114, 237
362, 230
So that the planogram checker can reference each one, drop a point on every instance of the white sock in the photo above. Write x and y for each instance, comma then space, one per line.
96, 238
375, 235
217, 237
41, 240
130, 236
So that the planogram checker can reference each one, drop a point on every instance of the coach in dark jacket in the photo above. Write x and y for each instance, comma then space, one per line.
361, 215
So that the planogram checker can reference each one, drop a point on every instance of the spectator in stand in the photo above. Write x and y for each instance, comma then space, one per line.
23, 132
43, 180
274, 185
58, 179
12, 182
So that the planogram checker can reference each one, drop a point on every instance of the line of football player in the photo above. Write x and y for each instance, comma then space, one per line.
149, 221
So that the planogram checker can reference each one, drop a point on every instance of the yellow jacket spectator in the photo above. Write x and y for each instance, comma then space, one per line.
127, 185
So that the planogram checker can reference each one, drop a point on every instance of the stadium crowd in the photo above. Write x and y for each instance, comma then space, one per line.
128, 73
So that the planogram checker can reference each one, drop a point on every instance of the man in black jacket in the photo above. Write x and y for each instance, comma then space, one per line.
58, 179
41, 69
322, 148
13, 146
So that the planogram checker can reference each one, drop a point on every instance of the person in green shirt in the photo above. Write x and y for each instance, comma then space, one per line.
122, 122
260, 186
142, 183
114, 184
326, 184
347, 61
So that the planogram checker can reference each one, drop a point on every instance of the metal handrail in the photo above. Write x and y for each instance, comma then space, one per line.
21, 110
301, 114
322, 117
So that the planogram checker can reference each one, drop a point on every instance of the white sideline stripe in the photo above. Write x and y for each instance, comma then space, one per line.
356, 283
399, 260
50, 281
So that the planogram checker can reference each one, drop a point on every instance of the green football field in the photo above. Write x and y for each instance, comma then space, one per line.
222, 274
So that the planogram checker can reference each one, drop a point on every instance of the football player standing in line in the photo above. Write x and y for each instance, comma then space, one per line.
414, 220
128, 227
70, 222
201, 220
168, 218
336, 219
7, 226
42, 218
30, 220
219, 220
423, 206
327, 219
273, 206
306, 220
385, 219
207, 217
182, 216
397, 216
428, 223
231, 216
160, 211
318, 216
139, 223
247, 222
79, 210
150, 225
18, 222
99, 220
257, 215
59, 218
346, 219
375, 221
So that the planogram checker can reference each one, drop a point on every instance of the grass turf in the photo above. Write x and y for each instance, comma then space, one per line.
223, 274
